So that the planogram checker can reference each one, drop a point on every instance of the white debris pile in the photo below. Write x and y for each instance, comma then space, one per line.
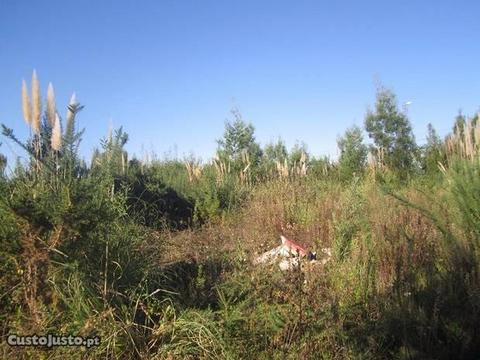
289, 254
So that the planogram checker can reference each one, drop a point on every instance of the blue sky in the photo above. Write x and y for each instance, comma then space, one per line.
170, 71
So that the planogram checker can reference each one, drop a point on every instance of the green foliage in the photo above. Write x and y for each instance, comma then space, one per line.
350, 222
446, 299
322, 167
192, 334
154, 204
298, 151
45, 162
273, 154
3, 163
112, 160
464, 184
238, 139
460, 123
68, 247
165, 195
353, 153
391, 132
434, 153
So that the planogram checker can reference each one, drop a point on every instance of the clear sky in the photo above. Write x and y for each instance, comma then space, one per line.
169, 71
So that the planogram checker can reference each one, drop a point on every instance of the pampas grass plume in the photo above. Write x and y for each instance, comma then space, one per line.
36, 104
26, 107
70, 114
56, 134
51, 111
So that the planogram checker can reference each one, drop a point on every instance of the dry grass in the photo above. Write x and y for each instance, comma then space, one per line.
405, 242
222, 169
290, 208
297, 169
464, 143
194, 170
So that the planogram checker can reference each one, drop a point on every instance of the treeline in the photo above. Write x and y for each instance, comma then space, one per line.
190, 192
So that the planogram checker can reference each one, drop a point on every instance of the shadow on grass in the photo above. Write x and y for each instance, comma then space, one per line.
193, 284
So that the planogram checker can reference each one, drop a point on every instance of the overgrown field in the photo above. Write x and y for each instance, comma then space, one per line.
155, 257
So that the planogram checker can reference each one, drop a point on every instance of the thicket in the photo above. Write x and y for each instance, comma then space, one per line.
155, 256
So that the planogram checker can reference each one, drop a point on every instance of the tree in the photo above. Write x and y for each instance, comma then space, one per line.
321, 166
299, 153
460, 122
112, 159
238, 140
353, 153
391, 132
274, 152
433, 153
274, 156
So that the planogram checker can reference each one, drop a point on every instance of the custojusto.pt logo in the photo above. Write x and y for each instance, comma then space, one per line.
51, 340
